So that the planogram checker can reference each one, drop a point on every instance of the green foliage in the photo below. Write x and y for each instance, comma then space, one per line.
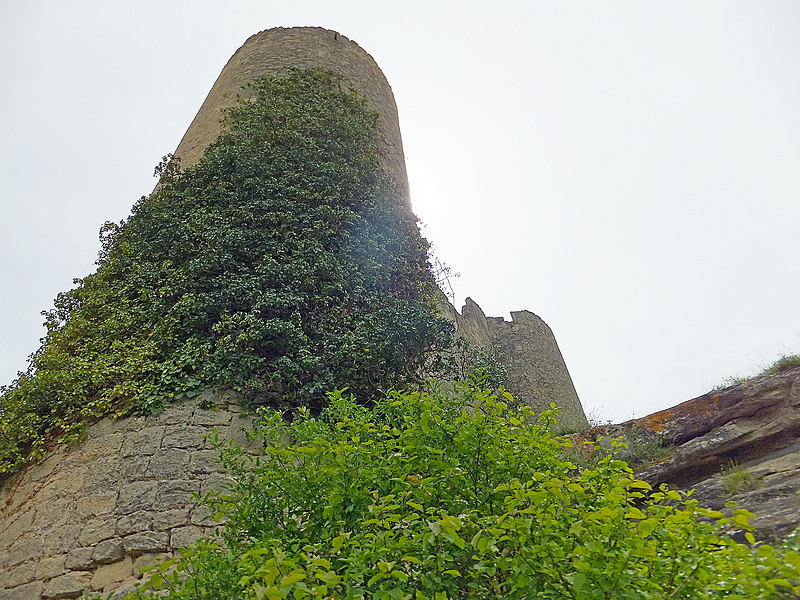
443, 496
285, 263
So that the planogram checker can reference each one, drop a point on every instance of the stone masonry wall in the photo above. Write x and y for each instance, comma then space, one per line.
271, 51
527, 348
92, 516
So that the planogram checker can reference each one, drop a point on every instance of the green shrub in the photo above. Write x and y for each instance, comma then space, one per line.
284, 264
444, 496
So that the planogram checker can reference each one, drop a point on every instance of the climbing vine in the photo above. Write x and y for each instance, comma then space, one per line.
284, 264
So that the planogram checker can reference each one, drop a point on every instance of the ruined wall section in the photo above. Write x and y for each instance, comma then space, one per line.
527, 348
93, 515
273, 50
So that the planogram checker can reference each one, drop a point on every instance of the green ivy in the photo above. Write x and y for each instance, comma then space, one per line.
285, 263
457, 495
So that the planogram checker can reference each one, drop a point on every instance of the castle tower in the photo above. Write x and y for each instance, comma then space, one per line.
92, 516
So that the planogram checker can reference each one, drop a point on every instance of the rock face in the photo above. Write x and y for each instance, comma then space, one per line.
527, 348
92, 516
740, 443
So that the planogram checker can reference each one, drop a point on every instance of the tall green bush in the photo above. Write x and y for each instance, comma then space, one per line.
444, 496
285, 263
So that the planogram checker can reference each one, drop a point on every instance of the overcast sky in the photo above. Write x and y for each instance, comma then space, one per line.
629, 171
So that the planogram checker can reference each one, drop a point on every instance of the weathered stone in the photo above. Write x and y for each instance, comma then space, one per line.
79, 559
101, 447
181, 537
24, 549
204, 462
144, 442
169, 464
211, 417
138, 521
176, 494
170, 518
125, 590
22, 573
147, 541
145, 561
203, 515
69, 585
98, 504
97, 531
139, 495
184, 436
18, 524
216, 482
527, 349
50, 567
108, 551
29, 591
62, 537
111, 576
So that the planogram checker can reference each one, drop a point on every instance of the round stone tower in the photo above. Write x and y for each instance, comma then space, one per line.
93, 515
273, 50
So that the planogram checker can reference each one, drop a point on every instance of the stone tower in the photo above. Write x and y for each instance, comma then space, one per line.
93, 515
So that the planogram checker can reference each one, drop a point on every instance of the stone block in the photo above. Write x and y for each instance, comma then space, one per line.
145, 561
134, 468
237, 432
181, 537
212, 417
217, 482
176, 494
169, 464
203, 515
50, 567
98, 504
79, 559
16, 525
24, 549
108, 551
69, 585
97, 530
110, 576
144, 442
94, 449
184, 436
146, 541
29, 591
177, 413
22, 573
62, 537
170, 518
139, 495
205, 462
133, 523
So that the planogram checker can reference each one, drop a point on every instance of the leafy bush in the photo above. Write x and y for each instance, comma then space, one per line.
443, 496
284, 264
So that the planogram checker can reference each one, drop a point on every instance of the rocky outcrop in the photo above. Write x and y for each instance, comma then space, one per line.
527, 349
741, 443
94, 515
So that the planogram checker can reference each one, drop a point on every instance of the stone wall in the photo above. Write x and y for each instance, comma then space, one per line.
527, 348
273, 50
92, 516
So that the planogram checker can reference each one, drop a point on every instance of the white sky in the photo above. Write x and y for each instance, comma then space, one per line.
629, 171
